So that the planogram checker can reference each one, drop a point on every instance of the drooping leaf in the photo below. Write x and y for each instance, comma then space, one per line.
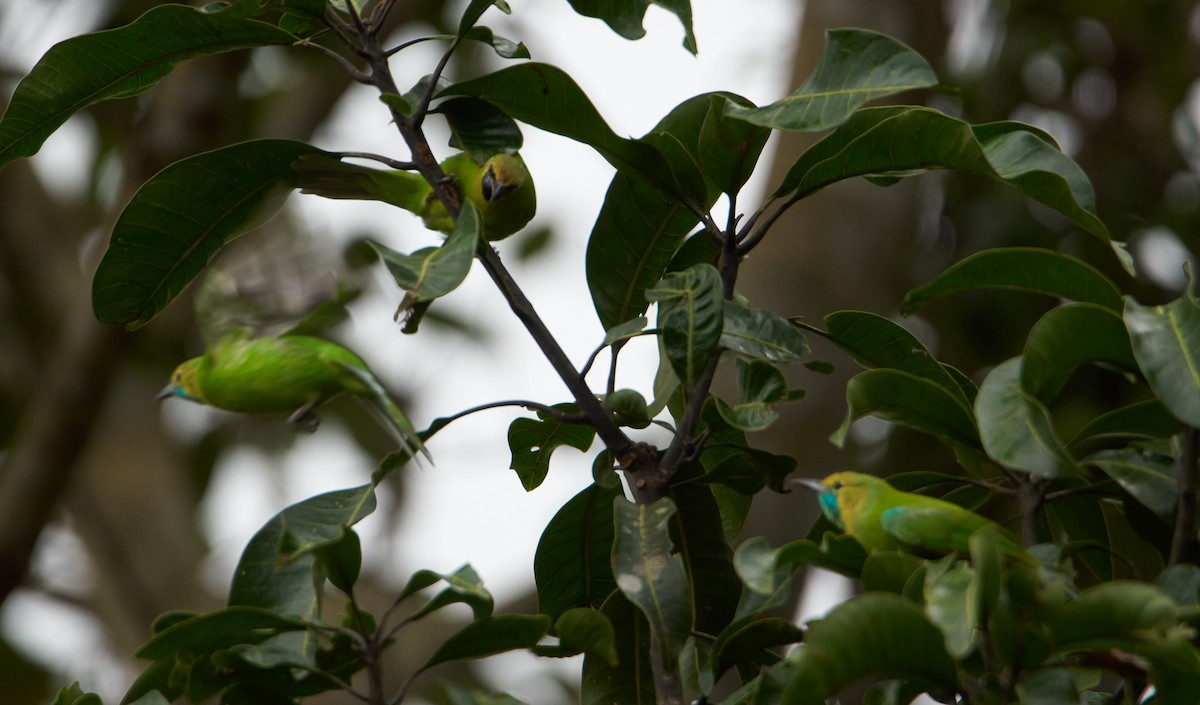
433, 272
909, 139
1069, 336
1148, 478
877, 343
951, 606
760, 386
625, 17
1015, 426
749, 640
276, 570
478, 127
766, 572
650, 574
74, 695
179, 219
699, 538
118, 63
856, 66
1166, 343
690, 318
572, 566
221, 629
631, 680
492, 635
1028, 269
587, 630
463, 586
533, 441
1081, 519
903, 643
1145, 419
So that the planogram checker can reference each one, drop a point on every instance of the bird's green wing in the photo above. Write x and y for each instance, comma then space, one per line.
330, 177
934, 528
406, 433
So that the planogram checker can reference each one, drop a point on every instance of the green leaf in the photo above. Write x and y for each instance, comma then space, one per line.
478, 127
1081, 518
1016, 428
625, 331
625, 17
915, 402
761, 334
766, 571
546, 97
203, 634
628, 408
760, 385
881, 140
728, 147
631, 681
532, 442
699, 539
856, 66
278, 567
456, 695
433, 272
746, 470
475, 10
1066, 337
587, 630
504, 48
749, 640
1048, 686
489, 636
463, 586
341, 559
951, 605
642, 223
650, 574
1148, 478
179, 219
118, 63
690, 318
1144, 419
1166, 343
903, 643
1126, 615
74, 695
1028, 269
877, 343
572, 566
890, 571
1181, 582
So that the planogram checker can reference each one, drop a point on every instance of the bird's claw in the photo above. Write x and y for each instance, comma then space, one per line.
304, 420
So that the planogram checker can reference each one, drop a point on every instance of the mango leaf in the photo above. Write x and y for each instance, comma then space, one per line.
504, 48
475, 10
584, 630
760, 386
856, 66
1181, 582
478, 127
749, 640
1045, 686
1016, 428
728, 147
572, 565
463, 586
1144, 419
631, 680
1148, 478
74, 695
492, 635
625, 18
625, 331
642, 223
761, 334
546, 97
213, 631
118, 63
1066, 337
690, 318
951, 605
276, 570
767, 572
1166, 343
908, 400
737, 467
890, 571
433, 272
699, 539
179, 219
532, 442
650, 574
903, 643
877, 343
907, 139
1028, 269
1081, 519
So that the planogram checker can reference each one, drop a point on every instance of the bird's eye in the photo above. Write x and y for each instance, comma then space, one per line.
836, 486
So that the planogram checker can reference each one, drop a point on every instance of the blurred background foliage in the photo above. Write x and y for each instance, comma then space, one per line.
92, 529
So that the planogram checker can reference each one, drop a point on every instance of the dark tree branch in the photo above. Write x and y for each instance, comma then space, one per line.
1185, 483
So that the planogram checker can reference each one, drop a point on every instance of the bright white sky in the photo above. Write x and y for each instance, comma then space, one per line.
469, 507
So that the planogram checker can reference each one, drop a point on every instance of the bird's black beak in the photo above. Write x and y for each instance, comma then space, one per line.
166, 393
809, 483
491, 187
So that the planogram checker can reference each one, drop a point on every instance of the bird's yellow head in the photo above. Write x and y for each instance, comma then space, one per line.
842, 493
185, 382
507, 198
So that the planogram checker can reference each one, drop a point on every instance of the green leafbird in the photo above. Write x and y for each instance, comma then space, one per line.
285, 374
501, 188
883, 518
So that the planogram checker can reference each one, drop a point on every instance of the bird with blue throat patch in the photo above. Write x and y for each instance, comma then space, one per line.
883, 518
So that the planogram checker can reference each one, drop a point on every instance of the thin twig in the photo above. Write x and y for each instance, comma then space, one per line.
354, 71
404, 45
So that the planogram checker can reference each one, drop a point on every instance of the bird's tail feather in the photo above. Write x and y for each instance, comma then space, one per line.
329, 177
393, 416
